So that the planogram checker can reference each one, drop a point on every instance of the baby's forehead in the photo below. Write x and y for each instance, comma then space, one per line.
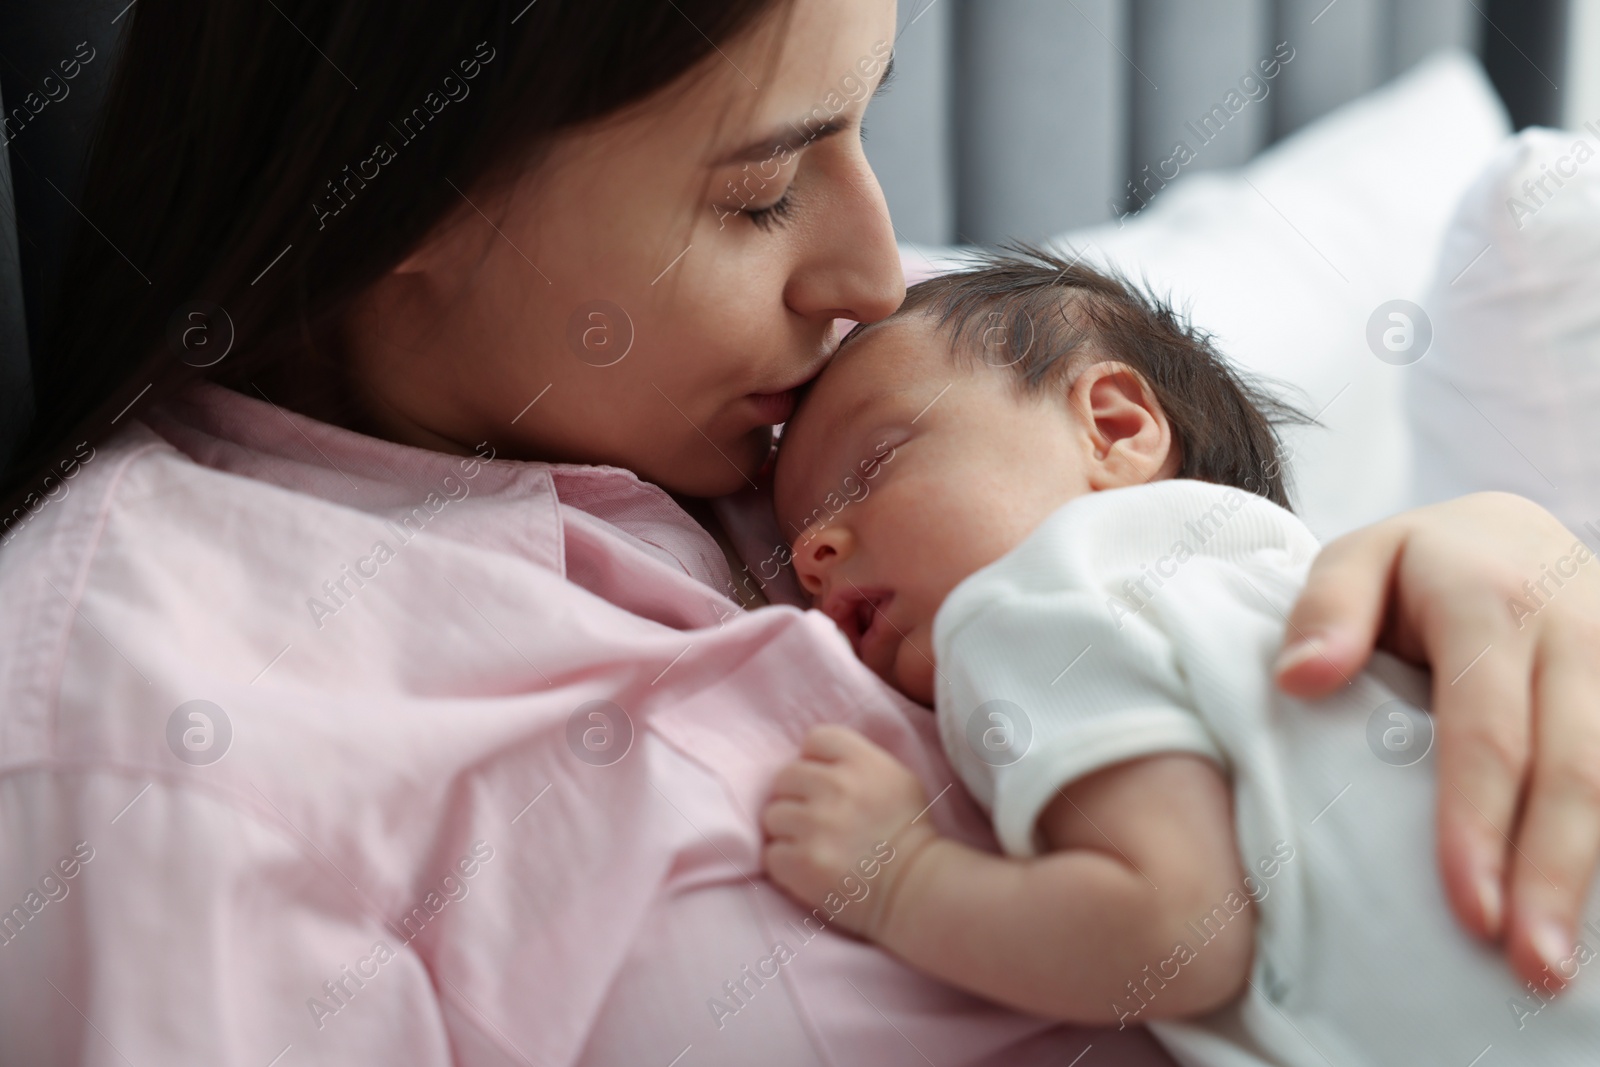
876, 361
875, 369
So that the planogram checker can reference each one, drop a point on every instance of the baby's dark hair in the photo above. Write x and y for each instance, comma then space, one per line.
1027, 309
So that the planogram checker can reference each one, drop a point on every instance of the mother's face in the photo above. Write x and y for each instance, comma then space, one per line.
663, 282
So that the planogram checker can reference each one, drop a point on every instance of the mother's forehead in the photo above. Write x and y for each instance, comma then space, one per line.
804, 56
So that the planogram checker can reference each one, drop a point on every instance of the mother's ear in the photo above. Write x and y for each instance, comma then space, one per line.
1129, 439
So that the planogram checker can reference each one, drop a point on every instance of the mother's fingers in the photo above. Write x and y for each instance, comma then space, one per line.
1559, 841
1483, 711
1483, 588
1335, 623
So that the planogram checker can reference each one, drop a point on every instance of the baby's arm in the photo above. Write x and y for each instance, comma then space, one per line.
1137, 851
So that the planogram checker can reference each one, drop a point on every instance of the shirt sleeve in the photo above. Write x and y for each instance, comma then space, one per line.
1054, 661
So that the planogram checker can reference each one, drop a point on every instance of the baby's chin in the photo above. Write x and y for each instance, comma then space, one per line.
913, 671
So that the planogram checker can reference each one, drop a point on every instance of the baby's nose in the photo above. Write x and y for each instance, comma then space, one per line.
817, 554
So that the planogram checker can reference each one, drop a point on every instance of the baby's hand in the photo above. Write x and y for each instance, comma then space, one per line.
840, 827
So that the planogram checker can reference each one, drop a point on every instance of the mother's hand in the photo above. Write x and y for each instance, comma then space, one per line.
1504, 603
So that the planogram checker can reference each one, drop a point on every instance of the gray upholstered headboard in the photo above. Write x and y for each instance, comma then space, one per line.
1009, 118
1024, 118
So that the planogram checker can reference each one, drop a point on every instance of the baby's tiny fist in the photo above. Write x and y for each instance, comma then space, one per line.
833, 824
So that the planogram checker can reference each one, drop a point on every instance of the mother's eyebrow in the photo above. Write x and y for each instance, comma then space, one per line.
793, 136
793, 139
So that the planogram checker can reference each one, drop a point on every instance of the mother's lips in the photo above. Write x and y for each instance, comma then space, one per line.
775, 408
778, 405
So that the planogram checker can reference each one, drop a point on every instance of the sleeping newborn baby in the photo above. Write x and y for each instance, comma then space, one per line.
1040, 502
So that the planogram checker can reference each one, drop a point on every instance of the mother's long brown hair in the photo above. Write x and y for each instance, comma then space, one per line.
237, 165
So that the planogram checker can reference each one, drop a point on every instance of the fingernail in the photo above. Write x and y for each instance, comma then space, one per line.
1299, 652
1551, 943
1490, 903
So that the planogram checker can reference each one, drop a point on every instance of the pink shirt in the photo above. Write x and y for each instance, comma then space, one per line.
400, 829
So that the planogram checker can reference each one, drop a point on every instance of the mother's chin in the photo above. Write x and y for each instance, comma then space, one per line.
710, 466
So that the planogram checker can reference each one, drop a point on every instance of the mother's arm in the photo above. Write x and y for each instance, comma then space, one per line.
1503, 601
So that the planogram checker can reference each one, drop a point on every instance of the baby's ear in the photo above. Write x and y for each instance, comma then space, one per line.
1127, 435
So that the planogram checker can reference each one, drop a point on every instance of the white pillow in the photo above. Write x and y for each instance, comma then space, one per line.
1286, 260
1509, 396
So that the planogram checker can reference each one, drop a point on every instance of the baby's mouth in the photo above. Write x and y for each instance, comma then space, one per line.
860, 614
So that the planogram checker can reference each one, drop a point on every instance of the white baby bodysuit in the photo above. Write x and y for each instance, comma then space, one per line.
1145, 620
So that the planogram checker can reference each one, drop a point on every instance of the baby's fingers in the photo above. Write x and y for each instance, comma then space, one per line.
787, 819
792, 868
803, 780
783, 861
831, 743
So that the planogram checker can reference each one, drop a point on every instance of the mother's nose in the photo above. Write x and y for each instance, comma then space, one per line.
850, 266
